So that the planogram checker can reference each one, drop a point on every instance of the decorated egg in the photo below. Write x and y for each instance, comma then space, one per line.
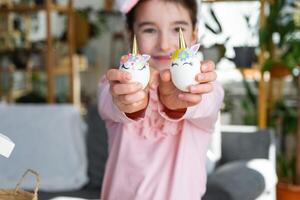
185, 65
137, 65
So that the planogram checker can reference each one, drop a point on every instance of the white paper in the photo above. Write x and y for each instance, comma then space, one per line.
6, 146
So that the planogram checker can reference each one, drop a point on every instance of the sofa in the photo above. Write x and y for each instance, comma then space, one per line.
245, 170
50, 139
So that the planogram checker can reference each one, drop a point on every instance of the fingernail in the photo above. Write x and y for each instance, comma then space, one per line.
201, 77
154, 85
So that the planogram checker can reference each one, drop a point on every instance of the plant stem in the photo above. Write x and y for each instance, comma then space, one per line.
298, 137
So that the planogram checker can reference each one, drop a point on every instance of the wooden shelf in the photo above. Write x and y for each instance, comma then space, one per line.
50, 70
27, 49
250, 73
11, 93
31, 9
59, 8
80, 64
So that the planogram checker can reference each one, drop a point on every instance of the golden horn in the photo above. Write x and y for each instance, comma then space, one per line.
134, 46
182, 44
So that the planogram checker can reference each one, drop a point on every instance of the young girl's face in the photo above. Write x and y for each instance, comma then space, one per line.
157, 25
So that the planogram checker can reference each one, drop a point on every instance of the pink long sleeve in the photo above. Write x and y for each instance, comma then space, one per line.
157, 158
106, 107
205, 114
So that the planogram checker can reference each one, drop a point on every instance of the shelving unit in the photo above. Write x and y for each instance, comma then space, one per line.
26, 9
10, 91
51, 70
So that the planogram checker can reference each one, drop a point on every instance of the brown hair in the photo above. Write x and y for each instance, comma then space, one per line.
190, 5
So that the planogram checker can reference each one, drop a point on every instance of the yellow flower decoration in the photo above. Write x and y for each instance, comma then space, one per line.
176, 53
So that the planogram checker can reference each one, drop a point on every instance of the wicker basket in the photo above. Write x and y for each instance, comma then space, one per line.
19, 194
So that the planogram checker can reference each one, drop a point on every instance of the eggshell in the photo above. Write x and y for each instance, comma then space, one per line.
183, 74
138, 67
142, 77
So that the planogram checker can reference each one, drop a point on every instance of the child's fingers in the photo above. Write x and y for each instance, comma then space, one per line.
165, 76
125, 88
190, 99
154, 79
131, 108
130, 99
165, 84
207, 66
201, 88
117, 75
206, 77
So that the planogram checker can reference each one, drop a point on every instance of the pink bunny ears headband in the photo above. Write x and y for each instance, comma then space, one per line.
126, 5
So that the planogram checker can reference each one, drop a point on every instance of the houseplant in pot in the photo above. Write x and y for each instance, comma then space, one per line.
284, 56
217, 51
245, 55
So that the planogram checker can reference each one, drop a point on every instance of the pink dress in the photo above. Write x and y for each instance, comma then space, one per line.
156, 157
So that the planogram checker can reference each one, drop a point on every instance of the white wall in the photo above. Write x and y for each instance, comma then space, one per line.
98, 51
95, 4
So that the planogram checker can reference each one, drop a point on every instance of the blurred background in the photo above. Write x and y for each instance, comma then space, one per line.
53, 53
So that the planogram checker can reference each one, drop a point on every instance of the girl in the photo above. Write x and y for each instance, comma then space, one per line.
158, 136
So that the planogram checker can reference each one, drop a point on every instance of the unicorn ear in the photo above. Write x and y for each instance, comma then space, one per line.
123, 59
195, 48
146, 57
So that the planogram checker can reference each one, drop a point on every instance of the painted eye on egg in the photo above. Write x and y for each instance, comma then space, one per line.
123, 66
174, 64
188, 63
143, 67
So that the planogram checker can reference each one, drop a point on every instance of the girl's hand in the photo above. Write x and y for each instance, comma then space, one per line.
174, 99
128, 96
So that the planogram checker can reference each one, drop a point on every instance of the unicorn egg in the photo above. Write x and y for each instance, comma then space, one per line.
138, 67
184, 67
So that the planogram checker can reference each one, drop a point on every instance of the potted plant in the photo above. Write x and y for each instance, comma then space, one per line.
249, 103
282, 23
227, 107
245, 55
283, 54
217, 51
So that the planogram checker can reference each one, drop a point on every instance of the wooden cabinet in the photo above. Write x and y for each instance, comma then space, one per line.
51, 70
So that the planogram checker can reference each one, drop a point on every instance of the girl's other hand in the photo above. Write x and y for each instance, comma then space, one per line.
128, 96
174, 99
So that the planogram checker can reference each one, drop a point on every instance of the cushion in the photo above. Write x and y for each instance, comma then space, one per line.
49, 139
96, 147
266, 169
243, 146
236, 181
216, 192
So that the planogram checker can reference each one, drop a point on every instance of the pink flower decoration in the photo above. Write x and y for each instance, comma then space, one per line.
124, 59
